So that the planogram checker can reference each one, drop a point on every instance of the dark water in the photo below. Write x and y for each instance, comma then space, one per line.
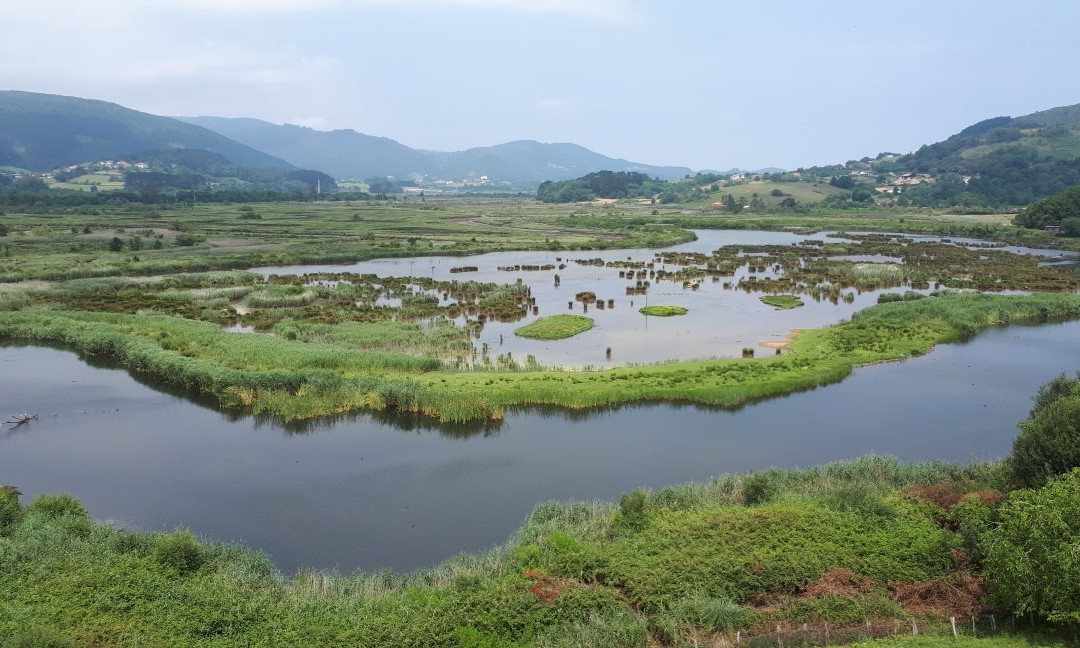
367, 493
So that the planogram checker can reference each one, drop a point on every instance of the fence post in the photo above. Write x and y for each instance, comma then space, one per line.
738, 637
914, 627
993, 623
952, 621
826, 633
972, 626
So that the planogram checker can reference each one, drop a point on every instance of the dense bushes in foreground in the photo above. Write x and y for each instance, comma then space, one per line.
694, 565
872, 539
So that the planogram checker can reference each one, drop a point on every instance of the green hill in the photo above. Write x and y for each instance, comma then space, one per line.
1005, 160
42, 131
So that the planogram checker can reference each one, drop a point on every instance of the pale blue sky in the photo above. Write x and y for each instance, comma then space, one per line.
701, 84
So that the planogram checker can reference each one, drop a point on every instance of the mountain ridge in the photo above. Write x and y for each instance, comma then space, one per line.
356, 155
43, 131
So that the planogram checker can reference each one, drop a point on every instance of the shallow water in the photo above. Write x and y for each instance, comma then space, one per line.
720, 322
373, 492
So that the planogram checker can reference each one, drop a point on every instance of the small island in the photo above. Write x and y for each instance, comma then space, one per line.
782, 301
556, 327
663, 311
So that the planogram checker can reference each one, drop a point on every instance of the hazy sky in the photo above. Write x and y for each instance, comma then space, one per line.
709, 84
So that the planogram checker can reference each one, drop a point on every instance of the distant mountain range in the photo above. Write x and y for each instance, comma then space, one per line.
40, 132
349, 154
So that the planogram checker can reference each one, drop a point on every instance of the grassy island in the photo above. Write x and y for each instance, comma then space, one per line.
663, 311
782, 301
555, 327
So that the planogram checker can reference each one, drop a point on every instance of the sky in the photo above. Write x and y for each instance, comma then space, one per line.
704, 84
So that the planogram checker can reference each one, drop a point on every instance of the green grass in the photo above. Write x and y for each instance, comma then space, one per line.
577, 572
782, 301
555, 327
663, 311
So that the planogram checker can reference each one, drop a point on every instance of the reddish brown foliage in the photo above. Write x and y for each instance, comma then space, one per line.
958, 594
544, 587
837, 582
945, 494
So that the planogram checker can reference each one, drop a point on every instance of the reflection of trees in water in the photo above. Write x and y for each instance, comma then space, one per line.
405, 421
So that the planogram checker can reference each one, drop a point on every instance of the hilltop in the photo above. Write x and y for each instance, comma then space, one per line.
39, 132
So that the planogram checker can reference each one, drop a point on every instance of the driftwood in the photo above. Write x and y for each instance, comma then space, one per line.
20, 419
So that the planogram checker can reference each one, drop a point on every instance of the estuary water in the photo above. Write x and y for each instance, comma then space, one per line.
371, 492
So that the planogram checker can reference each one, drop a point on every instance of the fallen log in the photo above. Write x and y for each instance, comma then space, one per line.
20, 419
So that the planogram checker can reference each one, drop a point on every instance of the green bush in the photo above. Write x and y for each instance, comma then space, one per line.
1048, 443
761, 488
631, 514
1031, 556
11, 512
58, 506
178, 551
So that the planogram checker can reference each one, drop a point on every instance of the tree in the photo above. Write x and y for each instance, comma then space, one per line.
1049, 440
1030, 557
116, 244
843, 182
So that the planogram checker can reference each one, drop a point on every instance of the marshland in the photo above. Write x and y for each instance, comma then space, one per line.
380, 392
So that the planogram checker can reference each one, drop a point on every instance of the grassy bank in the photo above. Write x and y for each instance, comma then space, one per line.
294, 379
838, 544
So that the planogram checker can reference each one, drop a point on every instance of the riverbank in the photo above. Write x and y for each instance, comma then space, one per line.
837, 544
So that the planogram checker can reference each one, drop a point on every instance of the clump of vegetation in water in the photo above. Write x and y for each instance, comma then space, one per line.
663, 311
556, 327
782, 301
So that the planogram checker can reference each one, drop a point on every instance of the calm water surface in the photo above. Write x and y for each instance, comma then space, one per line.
366, 492
720, 322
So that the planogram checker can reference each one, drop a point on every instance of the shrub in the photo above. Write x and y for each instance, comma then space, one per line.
1030, 557
1048, 443
178, 551
761, 488
58, 506
632, 511
11, 512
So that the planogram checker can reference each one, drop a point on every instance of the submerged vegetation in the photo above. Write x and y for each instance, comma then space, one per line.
556, 327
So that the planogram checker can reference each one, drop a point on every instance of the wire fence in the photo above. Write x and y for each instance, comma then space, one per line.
790, 635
